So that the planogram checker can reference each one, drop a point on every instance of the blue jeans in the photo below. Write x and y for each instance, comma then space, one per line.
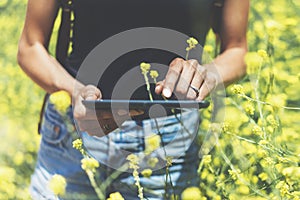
57, 156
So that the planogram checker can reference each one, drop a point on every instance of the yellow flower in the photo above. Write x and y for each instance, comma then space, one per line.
133, 164
89, 164
152, 143
261, 153
296, 195
249, 108
269, 161
152, 161
145, 67
234, 173
263, 176
290, 22
271, 120
210, 178
256, 130
146, 173
292, 172
262, 53
206, 159
192, 42
191, 193
237, 89
208, 48
153, 74
58, 184
253, 61
133, 160
115, 196
243, 189
61, 101
283, 187
263, 142
225, 127
77, 144
272, 27
220, 184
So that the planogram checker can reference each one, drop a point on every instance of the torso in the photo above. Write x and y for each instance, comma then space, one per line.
97, 20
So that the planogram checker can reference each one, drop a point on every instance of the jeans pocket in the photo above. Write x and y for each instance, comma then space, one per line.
53, 128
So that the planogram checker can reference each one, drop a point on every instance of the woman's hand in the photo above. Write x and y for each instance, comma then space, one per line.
187, 79
97, 122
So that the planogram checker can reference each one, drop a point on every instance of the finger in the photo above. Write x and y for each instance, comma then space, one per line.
159, 87
91, 92
189, 69
79, 109
197, 81
208, 85
86, 93
172, 76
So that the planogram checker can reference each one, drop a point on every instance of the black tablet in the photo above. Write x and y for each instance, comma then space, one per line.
143, 104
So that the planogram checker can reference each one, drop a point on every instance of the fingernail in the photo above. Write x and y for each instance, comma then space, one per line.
167, 92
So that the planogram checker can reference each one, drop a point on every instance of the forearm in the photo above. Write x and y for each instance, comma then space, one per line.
44, 69
229, 66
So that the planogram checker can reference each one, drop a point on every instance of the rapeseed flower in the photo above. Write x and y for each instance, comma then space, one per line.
152, 143
152, 161
237, 89
58, 184
146, 173
249, 108
61, 101
115, 196
208, 48
134, 164
191, 193
89, 164
153, 74
145, 67
257, 130
263, 176
206, 159
192, 42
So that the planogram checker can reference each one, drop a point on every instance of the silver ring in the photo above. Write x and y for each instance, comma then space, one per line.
195, 90
106, 127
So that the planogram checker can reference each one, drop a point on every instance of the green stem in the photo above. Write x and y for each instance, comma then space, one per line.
187, 55
266, 103
148, 86
112, 177
167, 167
94, 184
228, 162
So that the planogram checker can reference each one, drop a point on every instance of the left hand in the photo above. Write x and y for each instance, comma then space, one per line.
183, 76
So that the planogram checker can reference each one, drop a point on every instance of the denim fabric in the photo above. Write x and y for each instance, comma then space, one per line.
57, 156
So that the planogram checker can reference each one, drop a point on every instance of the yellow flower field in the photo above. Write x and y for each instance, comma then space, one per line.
257, 153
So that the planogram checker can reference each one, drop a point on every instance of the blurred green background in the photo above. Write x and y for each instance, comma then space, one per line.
273, 26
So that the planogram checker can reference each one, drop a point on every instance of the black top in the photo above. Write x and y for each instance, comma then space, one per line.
97, 20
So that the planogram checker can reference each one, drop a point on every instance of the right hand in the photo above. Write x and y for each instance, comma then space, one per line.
100, 122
